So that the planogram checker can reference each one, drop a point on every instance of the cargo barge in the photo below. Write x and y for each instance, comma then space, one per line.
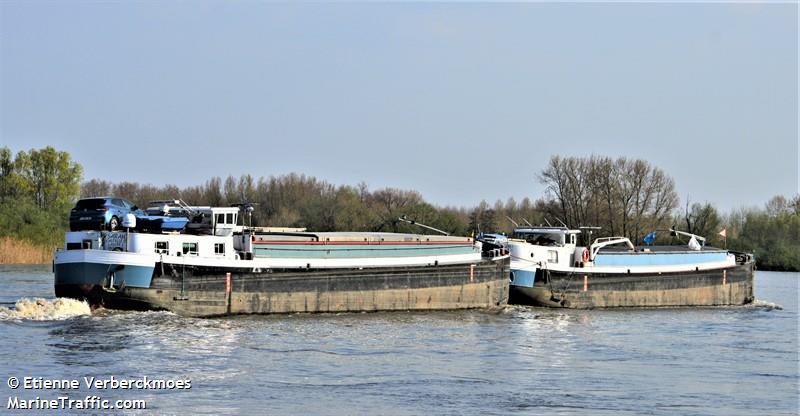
549, 268
215, 267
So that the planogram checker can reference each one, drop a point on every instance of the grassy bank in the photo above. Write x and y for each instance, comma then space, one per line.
14, 251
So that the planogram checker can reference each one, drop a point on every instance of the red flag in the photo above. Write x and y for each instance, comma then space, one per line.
724, 232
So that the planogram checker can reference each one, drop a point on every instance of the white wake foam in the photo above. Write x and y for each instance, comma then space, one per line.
45, 310
758, 303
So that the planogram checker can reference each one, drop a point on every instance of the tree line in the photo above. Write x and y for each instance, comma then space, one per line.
624, 197
37, 190
772, 233
296, 200
631, 198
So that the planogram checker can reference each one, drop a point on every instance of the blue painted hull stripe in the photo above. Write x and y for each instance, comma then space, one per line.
96, 274
657, 259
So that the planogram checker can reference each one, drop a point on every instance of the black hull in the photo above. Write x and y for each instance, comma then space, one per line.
586, 290
213, 291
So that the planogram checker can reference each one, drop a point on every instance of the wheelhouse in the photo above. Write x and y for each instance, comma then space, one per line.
546, 236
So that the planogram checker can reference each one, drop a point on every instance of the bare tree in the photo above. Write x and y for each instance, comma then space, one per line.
627, 197
388, 204
95, 187
701, 219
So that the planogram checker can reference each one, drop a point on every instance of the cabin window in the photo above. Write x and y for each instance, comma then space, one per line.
190, 249
219, 248
552, 256
162, 247
220, 218
229, 218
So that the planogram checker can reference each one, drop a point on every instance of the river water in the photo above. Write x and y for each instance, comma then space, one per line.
518, 360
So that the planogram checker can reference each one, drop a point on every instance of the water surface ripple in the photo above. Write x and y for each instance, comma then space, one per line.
519, 360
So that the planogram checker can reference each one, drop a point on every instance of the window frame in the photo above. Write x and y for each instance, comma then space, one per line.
164, 250
221, 247
551, 255
186, 248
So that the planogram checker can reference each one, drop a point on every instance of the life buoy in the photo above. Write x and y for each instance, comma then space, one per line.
585, 255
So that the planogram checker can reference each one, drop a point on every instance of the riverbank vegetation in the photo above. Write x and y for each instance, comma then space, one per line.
18, 251
772, 233
37, 190
622, 196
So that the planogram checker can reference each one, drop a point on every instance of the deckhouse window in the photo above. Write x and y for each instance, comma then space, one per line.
220, 218
229, 218
162, 247
190, 249
219, 248
552, 256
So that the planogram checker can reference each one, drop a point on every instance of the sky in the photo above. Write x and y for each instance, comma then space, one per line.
462, 102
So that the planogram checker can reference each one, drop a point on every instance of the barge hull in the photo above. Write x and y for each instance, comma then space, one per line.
204, 291
587, 290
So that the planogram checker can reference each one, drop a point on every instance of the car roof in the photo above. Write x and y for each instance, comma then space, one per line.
102, 197
105, 198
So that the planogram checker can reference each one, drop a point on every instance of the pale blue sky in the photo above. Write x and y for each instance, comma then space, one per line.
461, 102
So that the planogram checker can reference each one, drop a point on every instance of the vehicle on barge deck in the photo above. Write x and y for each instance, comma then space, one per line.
213, 266
549, 268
